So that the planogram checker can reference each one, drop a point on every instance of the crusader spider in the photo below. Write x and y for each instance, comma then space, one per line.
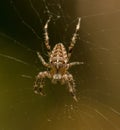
58, 64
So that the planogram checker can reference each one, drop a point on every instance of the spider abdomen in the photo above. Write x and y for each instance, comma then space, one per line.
59, 54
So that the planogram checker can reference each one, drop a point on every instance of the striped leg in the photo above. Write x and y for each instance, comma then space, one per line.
68, 79
75, 63
73, 40
39, 83
46, 35
42, 60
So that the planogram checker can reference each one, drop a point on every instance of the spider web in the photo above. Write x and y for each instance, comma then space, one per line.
97, 81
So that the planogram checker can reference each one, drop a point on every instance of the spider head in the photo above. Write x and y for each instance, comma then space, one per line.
57, 70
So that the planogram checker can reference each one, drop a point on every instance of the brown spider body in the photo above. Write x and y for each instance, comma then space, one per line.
58, 64
58, 61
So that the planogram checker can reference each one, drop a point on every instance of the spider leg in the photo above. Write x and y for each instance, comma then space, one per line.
42, 60
68, 79
39, 82
46, 36
75, 63
73, 40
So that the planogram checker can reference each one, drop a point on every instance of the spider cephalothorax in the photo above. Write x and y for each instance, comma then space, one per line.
58, 64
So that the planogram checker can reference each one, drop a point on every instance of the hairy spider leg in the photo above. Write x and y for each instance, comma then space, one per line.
68, 79
73, 40
75, 63
39, 82
46, 36
42, 60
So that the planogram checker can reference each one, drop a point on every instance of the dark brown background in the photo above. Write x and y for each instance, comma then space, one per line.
97, 81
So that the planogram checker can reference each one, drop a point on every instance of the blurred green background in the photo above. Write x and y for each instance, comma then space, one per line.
97, 81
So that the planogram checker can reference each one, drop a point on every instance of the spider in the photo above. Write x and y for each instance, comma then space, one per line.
58, 64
